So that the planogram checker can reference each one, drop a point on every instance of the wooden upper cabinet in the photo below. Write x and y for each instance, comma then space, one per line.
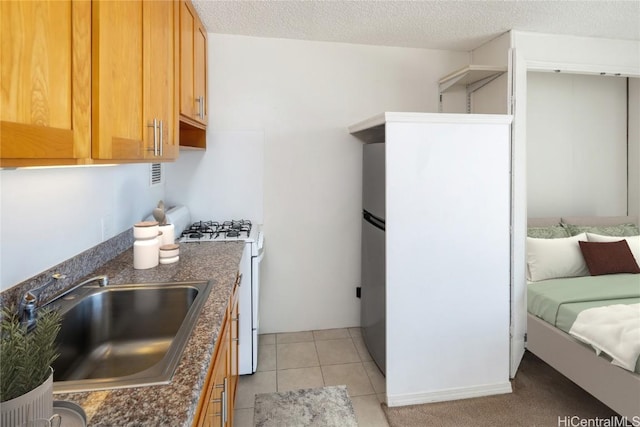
193, 67
88, 82
45, 83
118, 126
134, 80
162, 87
200, 72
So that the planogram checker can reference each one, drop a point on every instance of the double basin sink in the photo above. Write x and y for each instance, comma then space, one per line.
124, 335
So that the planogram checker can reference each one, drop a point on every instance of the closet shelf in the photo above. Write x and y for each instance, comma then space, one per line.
472, 78
469, 75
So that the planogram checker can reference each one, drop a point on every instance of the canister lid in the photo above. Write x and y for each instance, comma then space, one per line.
169, 247
146, 224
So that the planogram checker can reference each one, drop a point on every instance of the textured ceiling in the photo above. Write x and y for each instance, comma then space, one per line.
436, 24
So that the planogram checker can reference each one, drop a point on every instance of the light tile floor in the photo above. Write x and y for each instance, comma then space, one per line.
315, 359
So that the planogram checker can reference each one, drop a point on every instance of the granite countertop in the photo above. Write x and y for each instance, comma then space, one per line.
172, 404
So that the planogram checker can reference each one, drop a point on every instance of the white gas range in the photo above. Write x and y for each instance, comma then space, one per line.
202, 232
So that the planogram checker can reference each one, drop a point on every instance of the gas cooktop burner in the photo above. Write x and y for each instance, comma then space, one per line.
213, 230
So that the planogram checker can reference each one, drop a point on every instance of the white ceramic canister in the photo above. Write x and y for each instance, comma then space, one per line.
169, 251
146, 253
168, 234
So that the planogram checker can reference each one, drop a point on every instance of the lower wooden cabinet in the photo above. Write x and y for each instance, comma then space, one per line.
233, 352
215, 408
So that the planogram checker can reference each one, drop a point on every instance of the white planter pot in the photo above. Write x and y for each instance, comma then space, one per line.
36, 404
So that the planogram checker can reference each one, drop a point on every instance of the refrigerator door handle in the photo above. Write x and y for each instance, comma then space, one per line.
373, 220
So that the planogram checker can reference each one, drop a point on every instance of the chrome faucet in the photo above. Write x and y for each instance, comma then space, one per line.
104, 281
30, 300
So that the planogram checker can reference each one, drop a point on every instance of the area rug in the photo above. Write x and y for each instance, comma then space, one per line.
313, 407
541, 397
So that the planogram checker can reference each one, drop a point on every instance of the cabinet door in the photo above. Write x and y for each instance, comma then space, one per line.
187, 28
214, 406
217, 414
161, 84
200, 72
193, 66
119, 127
134, 87
45, 82
233, 355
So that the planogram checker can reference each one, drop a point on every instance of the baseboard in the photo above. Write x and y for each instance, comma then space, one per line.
449, 394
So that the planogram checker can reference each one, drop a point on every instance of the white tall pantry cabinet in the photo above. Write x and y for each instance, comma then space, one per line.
448, 204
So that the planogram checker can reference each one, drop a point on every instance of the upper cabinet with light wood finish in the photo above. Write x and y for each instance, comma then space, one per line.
45, 83
162, 59
89, 82
134, 80
193, 77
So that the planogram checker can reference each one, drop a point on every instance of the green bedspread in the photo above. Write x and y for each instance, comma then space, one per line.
558, 301
546, 298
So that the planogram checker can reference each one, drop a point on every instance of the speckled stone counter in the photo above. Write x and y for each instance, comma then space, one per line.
173, 404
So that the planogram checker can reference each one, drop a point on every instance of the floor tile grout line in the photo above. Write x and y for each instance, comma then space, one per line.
319, 363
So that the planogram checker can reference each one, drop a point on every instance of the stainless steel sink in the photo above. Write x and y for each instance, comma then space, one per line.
124, 335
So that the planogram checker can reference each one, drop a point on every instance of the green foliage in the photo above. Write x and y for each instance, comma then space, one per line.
26, 356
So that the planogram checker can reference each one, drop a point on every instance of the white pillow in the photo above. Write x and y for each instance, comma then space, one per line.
554, 258
632, 241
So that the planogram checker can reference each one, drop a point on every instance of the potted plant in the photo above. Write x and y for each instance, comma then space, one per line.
26, 376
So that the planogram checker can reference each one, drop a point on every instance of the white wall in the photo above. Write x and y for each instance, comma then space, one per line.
224, 182
301, 96
576, 145
50, 215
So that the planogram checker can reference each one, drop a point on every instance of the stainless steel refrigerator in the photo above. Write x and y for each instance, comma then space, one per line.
372, 317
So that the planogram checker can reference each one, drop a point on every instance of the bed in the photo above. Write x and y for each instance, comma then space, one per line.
560, 288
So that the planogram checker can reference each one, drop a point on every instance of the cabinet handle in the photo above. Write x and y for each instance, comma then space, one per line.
224, 399
223, 410
223, 402
161, 136
154, 125
200, 101
155, 137
237, 320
